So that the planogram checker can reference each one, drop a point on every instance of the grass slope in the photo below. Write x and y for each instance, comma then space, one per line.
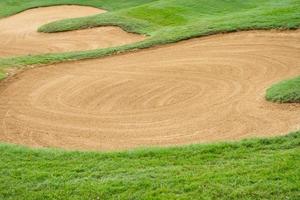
250, 169
287, 91
165, 21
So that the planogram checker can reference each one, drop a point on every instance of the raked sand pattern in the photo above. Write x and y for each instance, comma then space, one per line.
200, 90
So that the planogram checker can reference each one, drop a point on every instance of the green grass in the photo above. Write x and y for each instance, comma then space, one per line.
250, 169
287, 91
164, 21
10, 7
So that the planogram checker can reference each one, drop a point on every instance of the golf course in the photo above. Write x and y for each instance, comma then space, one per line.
150, 99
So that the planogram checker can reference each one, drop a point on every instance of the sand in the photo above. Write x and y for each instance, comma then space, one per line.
201, 90
19, 36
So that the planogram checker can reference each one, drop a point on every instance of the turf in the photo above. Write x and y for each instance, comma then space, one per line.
287, 91
10, 7
164, 21
250, 169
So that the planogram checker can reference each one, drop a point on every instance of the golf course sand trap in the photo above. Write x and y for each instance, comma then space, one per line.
200, 90
19, 36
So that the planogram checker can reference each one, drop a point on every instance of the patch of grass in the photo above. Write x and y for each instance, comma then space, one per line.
287, 91
166, 16
250, 169
164, 21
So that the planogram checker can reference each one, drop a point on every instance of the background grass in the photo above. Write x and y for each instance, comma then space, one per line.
164, 21
10, 7
250, 169
287, 91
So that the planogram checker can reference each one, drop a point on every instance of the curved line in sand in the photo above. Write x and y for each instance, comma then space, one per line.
200, 90
19, 36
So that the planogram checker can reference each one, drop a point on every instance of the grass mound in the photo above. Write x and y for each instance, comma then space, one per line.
287, 91
250, 169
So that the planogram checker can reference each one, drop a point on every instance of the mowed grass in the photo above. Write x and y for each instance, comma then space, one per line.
10, 7
164, 21
251, 169
287, 91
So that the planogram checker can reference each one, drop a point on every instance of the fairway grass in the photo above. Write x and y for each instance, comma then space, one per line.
249, 169
287, 91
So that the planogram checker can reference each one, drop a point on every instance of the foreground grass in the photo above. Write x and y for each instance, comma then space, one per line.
287, 91
164, 21
250, 169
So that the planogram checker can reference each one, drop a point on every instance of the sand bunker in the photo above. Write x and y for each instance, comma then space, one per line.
19, 36
201, 90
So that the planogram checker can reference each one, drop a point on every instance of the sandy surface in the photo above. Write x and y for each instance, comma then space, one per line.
19, 36
200, 90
